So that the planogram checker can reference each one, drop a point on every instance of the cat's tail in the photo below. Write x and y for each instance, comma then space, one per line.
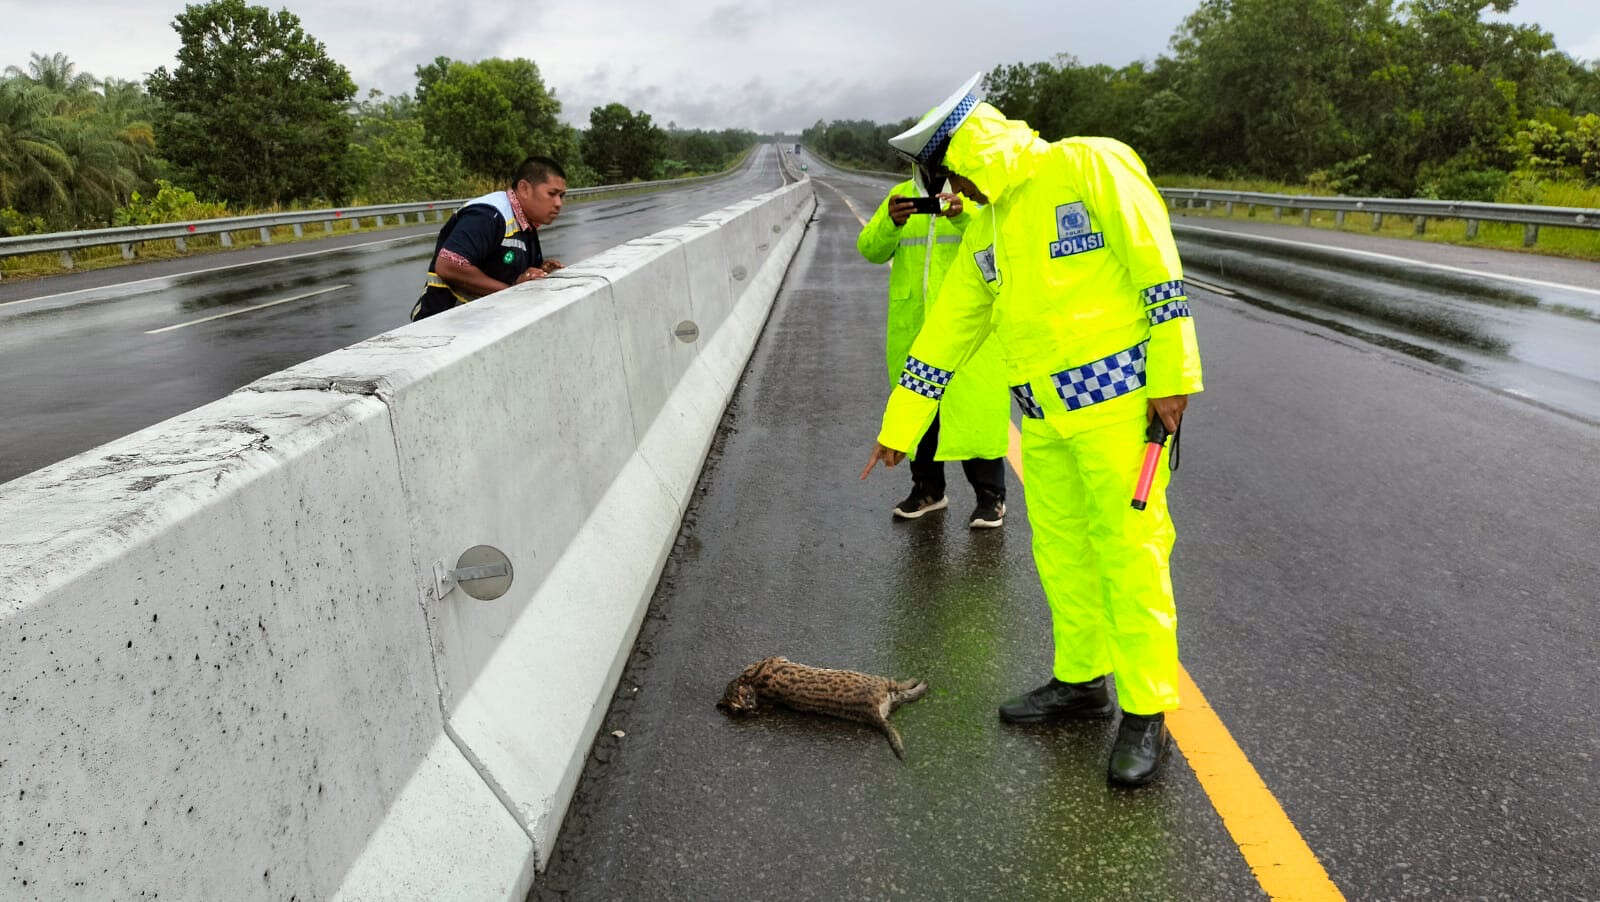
894, 739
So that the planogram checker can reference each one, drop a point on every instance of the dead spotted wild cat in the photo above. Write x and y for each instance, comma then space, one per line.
840, 693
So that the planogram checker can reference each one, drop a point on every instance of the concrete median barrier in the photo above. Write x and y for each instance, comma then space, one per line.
228, 670
216, 681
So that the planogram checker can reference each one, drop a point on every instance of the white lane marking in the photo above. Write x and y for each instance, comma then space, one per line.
196, 322
1376, 256
1210, 287
199, 272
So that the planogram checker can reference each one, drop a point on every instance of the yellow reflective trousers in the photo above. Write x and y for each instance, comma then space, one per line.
1104, 564
1074, 274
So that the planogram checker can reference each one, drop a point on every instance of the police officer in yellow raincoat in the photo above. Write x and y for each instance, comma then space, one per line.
972, 423
1073, 269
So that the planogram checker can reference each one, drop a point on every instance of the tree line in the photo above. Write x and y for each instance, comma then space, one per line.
1390, 97
254, 113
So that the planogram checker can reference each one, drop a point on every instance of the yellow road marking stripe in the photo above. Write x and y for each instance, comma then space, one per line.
853, 211
1273, 848
1277, 854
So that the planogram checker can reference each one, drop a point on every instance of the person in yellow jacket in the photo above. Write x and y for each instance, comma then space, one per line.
1075, 272
976, 407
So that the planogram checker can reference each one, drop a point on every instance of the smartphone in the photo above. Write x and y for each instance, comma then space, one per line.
929, 205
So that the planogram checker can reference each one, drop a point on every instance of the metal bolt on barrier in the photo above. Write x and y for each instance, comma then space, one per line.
483, 572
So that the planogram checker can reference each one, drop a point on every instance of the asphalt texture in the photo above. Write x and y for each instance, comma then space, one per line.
79, 368
1386, 589
1532, 335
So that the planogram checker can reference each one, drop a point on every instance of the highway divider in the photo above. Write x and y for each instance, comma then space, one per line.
230, 665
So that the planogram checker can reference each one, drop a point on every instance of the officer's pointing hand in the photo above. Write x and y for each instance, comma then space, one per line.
888, 456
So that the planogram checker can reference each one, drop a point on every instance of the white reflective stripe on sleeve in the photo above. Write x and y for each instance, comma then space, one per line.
942, 239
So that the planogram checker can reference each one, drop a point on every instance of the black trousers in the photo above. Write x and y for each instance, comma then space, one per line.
987, 475
434, 300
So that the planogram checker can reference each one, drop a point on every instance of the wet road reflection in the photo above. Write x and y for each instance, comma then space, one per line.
1534, 343
787, 553
1369, 580
90, 366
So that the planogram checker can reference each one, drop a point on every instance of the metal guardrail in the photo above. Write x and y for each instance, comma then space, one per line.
1529, 216
130, 236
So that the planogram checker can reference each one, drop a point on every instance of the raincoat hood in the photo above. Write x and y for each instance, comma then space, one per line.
996, 153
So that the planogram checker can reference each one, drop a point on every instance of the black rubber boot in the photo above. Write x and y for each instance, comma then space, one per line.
1140, 750
1056, 700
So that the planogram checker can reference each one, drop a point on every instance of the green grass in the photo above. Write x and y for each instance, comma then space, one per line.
1580, 244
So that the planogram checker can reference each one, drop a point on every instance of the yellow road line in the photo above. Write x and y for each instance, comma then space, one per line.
853, 211
1277, 854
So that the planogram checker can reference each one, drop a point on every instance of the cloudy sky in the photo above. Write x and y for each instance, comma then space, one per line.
760, 64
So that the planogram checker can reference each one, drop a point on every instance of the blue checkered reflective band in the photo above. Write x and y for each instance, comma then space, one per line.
935, 146
925, 389
1103, 379
927, 373
1165, 291
1025, 400
1170, 310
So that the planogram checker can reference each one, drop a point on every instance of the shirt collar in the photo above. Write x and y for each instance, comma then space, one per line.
516, 210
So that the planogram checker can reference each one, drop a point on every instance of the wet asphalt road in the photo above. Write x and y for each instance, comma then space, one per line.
1387, 590
1536, 337
79, 369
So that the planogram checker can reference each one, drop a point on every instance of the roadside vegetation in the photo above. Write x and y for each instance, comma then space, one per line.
171, 203
1580, 244
261, 119
1391, 98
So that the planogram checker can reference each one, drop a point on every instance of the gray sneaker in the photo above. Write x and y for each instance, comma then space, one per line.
988, 515
919, 502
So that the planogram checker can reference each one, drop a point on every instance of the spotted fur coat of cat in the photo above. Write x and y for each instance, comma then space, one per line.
839, 693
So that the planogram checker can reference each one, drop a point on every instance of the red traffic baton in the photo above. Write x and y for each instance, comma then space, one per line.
1155, 436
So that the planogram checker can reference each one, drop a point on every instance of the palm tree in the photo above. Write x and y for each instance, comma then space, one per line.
56, 73
34, 170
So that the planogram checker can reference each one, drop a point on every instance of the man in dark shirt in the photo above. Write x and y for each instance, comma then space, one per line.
493, 242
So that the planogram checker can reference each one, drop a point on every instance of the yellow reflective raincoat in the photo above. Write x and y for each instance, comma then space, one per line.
1073, 267
976, 407
1072, 270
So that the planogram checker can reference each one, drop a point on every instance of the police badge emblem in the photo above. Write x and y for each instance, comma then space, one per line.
985, 260
1074, 231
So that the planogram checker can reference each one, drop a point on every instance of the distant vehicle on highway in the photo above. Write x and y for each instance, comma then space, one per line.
797, 148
